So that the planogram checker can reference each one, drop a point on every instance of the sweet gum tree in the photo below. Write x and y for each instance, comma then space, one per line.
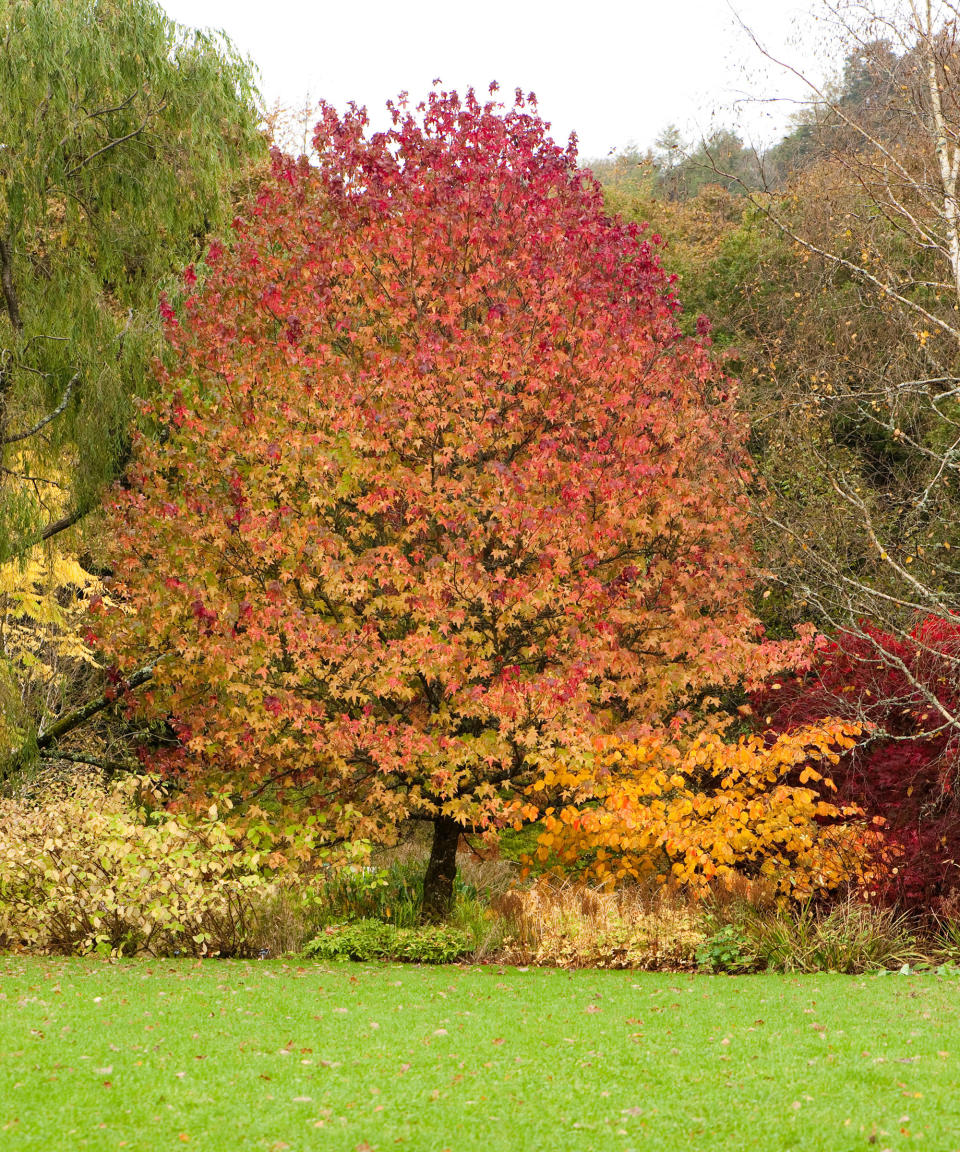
438, 489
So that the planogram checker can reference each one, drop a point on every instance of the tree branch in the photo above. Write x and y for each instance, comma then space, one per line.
112, 144
9, 291
93, 761
82, 714
63, 523
64, 401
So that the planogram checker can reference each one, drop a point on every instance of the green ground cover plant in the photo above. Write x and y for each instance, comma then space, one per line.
375, 940
285, 1057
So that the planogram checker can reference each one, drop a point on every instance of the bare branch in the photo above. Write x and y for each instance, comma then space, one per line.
61, 407
114, 143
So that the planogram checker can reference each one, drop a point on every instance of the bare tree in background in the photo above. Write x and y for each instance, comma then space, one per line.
861, 365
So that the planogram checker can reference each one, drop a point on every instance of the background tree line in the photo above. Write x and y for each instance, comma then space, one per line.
828, 266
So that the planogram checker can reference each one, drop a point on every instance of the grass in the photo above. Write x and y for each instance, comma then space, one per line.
230, 1055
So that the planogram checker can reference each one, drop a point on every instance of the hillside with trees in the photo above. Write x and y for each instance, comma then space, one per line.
829, 270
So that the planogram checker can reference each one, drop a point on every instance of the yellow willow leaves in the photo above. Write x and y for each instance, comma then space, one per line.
697, 810
43, 604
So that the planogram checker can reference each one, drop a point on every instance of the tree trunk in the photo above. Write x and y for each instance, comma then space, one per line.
441, 871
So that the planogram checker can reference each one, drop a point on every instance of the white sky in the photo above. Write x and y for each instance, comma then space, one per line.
614, 73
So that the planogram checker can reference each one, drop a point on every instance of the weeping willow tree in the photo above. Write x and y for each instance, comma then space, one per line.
124, 139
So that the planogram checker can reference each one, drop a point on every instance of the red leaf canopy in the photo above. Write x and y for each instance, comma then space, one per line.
440, 486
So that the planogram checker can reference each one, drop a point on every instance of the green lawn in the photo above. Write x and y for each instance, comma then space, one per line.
223, 1056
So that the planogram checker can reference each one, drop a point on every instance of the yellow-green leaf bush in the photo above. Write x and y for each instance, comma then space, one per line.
114, 871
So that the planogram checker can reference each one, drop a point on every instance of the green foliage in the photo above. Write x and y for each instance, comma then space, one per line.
375, 940
850, 937
676, 170
729, 950
123, 134
364, 940
393, 894
434, 944
125, 140
948, 938
519, 844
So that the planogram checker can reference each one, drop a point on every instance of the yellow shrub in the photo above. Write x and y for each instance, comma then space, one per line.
113, 871
696, 811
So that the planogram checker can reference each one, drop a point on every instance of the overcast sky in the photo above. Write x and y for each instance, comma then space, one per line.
613, 73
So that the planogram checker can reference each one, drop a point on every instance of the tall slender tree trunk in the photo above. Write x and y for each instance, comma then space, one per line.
441, 871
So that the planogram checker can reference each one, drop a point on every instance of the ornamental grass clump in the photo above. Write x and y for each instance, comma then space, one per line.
852, 936
567, 925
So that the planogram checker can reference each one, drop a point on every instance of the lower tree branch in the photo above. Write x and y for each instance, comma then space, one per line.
61, 525
94, 761
9, 767
82, 714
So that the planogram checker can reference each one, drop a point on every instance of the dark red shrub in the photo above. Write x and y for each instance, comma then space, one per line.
906, 691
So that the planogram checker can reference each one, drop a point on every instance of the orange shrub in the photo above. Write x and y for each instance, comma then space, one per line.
694, 810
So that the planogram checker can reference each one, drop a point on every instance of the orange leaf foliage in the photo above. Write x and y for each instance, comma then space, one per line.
705, 809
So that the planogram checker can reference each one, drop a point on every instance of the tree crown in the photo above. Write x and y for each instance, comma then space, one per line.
443, 485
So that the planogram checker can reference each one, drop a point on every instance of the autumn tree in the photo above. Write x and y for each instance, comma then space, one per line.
123, 140
429, 498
